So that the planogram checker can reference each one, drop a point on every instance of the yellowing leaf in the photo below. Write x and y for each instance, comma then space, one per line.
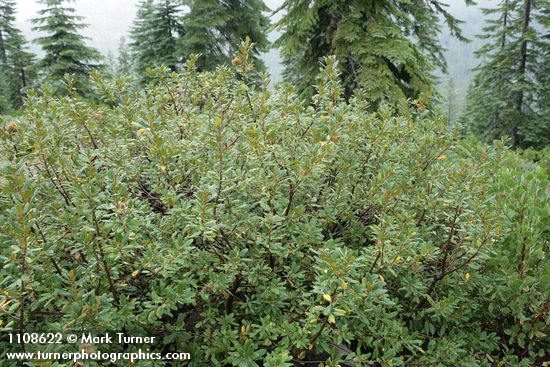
72, 275
327, 297
301, 355
331, 319
243, 330
467, 276
442, 157
340, 312
135, 273
538, 334
344, 285
381, 277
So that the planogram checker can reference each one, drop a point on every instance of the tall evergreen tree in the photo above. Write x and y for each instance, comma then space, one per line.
487, 109
155, 34
124, 60
501, 99
110, 69
386, 47
451, 100
15, 61
543, 75
140, 39
216, 28
65, 48
6, 18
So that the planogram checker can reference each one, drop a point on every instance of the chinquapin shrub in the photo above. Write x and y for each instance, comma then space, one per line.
236, 223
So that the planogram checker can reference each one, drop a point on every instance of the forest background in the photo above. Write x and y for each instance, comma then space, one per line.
110, 21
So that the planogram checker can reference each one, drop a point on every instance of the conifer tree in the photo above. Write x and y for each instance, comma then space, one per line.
5, 105
543, 76
155, 34
15, 61
140, 40
487, 109
110, 69
65, 48
5, 20
451, 101
124, 60
216, 28
502, 97
386, 47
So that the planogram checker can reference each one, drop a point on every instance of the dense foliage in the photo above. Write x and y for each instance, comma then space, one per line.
237, 224
540, 157
163, 34
215, 28
388, 47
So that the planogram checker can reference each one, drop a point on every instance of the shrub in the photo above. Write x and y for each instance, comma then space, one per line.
541, 157
238, 225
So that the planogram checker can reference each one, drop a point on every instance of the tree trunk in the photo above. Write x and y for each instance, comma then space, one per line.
504, 25
502, 45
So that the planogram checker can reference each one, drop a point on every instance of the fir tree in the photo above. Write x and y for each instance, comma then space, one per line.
501, 99
451, 101
543, 76
141, 42
216, 28
488, 108
5, 104
6, 20
16, 72
124, 60
386, 47
155, 34
65, 49
110, 69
